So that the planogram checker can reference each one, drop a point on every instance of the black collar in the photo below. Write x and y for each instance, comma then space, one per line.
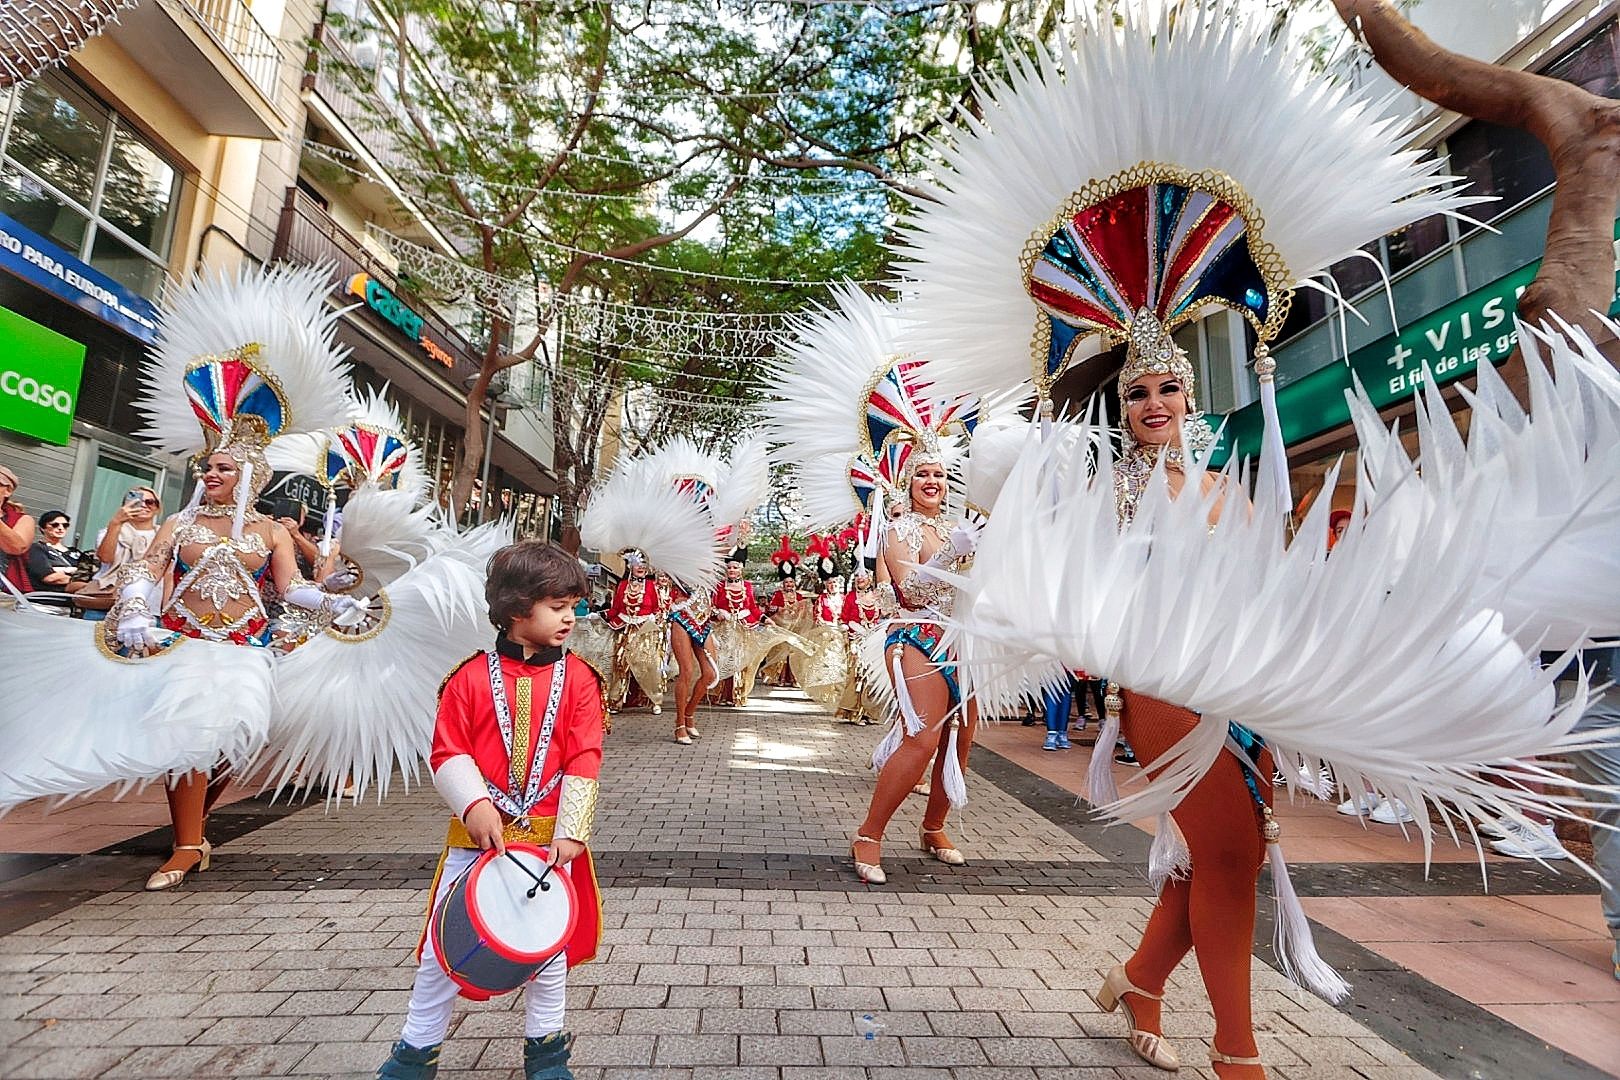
540, 657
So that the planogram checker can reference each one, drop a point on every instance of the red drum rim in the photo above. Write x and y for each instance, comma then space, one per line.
500, 947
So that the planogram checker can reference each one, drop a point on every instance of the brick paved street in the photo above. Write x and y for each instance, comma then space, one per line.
738, 944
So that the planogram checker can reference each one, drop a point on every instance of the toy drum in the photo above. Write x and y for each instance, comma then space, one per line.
502, 920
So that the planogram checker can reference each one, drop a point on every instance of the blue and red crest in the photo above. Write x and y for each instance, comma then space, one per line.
228, 392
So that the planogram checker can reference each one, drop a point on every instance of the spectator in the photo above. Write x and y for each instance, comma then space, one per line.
124, 540
51, 564
16, 534
1057, 704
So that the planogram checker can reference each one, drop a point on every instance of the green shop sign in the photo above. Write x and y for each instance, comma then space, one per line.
39, 379
1450, 342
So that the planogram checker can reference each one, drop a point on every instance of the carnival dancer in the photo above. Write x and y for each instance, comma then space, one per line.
517, 749
638, 613
789, 608
823, 671
893, 456
733, 645
176, 685
681, 508
1128, 233
857, 704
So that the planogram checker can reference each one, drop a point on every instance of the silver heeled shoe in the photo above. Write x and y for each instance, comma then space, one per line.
870, 873
1148, 1045
947, 855
168, 879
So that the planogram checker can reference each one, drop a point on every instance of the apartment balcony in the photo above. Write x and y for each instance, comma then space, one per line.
213, 58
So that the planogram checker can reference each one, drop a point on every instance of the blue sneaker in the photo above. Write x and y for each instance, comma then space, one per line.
547, 1058
407, 1062
1051, 742
1063, 740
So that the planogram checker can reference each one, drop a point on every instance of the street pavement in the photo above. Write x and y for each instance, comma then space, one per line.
738, 943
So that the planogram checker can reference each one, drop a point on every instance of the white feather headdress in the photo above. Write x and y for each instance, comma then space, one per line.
644, 506
1161, 122
851, 402
242, 360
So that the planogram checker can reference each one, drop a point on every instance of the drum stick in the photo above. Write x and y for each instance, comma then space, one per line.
539, 880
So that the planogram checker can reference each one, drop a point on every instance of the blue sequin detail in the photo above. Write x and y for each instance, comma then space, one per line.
918, 637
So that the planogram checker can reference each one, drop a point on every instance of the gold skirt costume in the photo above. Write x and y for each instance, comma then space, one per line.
822, 671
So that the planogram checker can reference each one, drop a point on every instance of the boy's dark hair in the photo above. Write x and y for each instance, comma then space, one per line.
523, 574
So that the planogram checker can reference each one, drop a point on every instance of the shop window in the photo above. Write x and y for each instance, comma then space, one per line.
72, 169
1405, 247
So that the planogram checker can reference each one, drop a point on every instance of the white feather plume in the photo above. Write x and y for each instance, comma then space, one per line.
827, 364
1392, 673
638, 506
1325, 168
362, 709
373, 408
826, 500
284, 310
744, 483
1549, 482
387, 532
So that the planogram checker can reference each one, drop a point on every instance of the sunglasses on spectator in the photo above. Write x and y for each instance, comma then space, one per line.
145, 502
62, 522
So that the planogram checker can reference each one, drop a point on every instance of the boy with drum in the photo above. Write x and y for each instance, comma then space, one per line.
517, 747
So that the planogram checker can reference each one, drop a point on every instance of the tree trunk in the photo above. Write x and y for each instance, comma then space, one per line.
1581, 132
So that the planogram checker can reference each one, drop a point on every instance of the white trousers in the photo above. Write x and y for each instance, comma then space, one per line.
433, 995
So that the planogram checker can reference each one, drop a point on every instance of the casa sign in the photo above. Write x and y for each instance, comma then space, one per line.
39, 379
397, 314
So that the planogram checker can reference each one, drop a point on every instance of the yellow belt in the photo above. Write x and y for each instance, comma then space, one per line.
522, 831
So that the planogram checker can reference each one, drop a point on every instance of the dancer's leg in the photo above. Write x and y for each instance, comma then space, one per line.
1214, 909
187, 796
939, 804
931, 697
688, 676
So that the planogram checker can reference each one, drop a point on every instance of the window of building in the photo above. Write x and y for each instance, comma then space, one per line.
73, 170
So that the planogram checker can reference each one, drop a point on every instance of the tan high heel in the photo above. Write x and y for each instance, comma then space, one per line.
693, 731
168, 879
947, 855
1148, 1045
682, 736
1218, 1058
870, 873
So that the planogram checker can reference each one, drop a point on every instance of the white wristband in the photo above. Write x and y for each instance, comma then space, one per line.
460, 783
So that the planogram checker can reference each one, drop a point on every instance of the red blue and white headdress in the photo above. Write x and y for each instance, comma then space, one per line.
846, 361
1119, 185
255, 357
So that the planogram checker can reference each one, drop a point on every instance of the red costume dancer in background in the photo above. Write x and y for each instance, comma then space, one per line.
736, 613
637, 613
788, 607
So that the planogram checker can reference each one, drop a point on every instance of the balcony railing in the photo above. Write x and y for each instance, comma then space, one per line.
335, 87
307, 234
234, 29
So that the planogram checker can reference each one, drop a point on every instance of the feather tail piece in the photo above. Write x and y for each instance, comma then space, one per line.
1294, 943
1169, 859
885, 749
1100, 786
902, 697
952, 777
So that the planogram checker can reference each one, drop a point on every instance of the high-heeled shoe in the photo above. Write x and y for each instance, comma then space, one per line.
692, 731
168, 879
870, 873
682, 735
947, 855
1218, 1058
1148, 1045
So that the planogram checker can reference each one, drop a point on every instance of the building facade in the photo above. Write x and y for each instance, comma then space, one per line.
180, 141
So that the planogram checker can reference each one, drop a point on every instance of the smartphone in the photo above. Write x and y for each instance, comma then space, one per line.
134, 498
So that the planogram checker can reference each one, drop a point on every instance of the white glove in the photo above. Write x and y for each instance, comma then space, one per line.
312, 599
964, 538
134, 630
340, 580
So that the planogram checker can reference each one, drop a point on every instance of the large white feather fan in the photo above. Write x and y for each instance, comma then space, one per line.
1210, 91
638, 506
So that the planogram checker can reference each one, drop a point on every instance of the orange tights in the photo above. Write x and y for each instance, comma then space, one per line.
932, 699
1211, 911
190, 798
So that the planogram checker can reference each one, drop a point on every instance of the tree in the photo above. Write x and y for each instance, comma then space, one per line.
1580, 130
658, 156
